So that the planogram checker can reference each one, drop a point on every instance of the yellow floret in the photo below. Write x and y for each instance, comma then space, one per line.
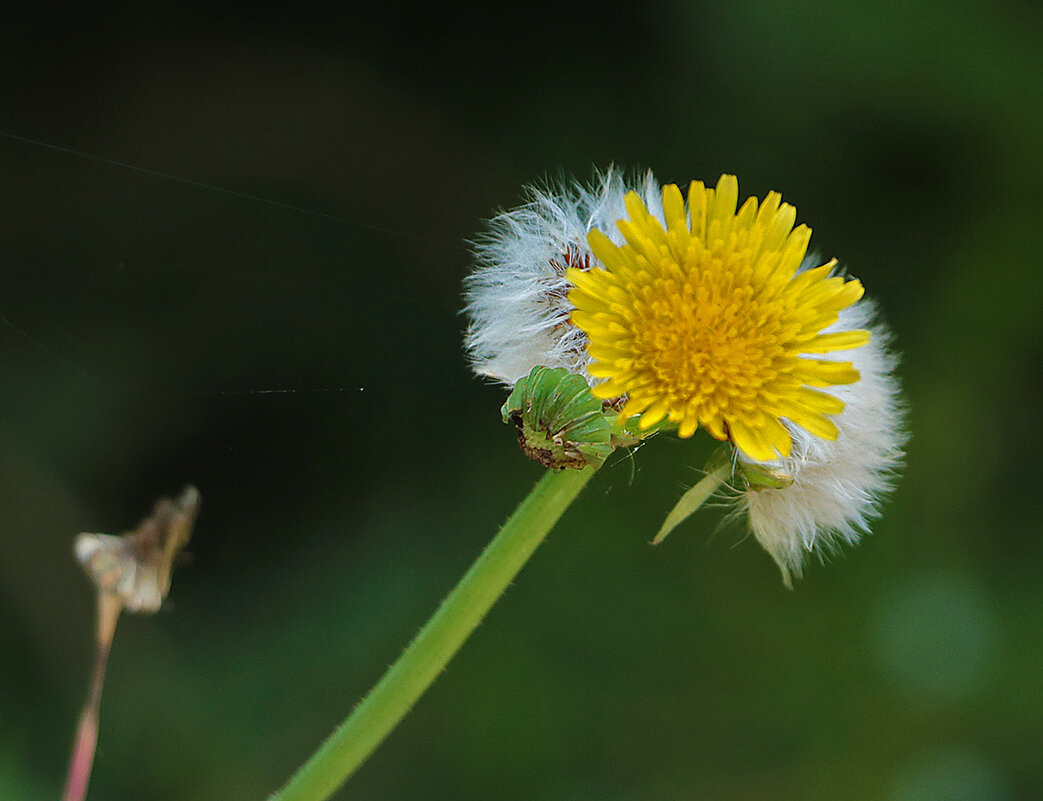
707, 321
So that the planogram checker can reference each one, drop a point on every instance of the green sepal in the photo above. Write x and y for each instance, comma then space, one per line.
560, 423
718, 470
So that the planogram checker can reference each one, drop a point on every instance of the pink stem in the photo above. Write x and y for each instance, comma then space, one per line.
109, 607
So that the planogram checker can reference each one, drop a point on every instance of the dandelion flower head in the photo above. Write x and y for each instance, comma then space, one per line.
702, 317
699, 312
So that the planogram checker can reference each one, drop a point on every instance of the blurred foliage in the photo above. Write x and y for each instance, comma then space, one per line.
252, 284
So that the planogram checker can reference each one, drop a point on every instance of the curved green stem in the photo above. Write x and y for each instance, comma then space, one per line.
431, 649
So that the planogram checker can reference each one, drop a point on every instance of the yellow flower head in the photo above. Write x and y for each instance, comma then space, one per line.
708, 321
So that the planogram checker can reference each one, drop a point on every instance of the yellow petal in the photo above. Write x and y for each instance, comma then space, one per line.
841, 340
749, 442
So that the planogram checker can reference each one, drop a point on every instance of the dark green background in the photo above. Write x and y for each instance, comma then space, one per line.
142, 316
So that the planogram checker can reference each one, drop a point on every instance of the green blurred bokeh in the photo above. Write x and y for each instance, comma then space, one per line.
328, 166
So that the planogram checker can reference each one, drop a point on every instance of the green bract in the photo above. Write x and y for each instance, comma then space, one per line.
762, 477
717, 471
560, 423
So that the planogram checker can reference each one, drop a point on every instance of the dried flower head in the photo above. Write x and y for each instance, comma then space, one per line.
707, 321
129, 572
136, 567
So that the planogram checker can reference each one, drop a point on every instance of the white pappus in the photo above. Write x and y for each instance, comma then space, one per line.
516, 297
837, 484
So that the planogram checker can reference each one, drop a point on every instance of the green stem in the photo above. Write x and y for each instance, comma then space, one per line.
431, 649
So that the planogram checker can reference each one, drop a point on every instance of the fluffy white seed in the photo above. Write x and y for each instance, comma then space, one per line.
516, 297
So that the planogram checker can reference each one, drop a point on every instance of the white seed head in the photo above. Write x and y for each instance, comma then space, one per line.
837, 484
517, 296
